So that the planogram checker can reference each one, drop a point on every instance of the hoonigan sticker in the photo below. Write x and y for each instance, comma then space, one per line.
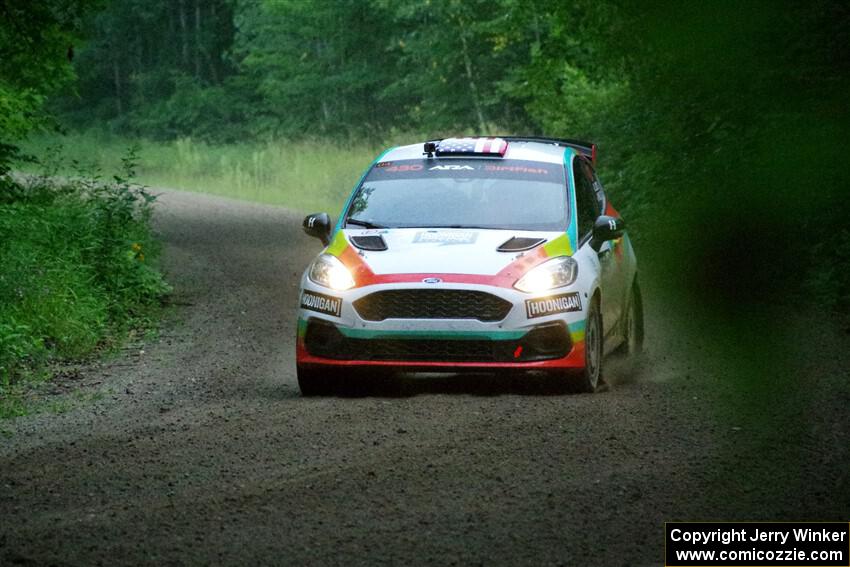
542, 306
321, 303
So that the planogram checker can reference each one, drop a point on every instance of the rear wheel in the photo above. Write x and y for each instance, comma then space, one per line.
590, 377
633, 332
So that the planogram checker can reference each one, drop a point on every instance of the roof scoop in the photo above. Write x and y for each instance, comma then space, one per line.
519, 243
370, 242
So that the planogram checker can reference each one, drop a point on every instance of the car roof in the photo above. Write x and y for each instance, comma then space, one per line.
517, 149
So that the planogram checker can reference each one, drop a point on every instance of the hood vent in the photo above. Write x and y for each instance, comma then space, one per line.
374, 243
518, 244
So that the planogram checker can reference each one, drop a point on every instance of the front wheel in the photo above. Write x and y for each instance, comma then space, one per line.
589, 378
317, 381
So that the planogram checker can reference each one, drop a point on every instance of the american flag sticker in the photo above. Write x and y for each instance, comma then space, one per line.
472, 146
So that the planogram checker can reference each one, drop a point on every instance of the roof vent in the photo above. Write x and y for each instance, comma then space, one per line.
518, 244
374, 243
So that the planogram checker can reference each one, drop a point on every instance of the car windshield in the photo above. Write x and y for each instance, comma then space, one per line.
462, 193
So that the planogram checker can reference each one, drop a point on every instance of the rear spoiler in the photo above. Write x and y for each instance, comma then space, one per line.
587, 149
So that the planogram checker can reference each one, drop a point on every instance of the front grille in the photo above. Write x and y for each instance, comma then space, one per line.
541, 343
432, 304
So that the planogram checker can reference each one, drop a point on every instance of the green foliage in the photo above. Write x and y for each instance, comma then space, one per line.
706, 115
732, 117
312, 68
36, 40
79, 268
305, 175
146, 66
449, 59
204, 112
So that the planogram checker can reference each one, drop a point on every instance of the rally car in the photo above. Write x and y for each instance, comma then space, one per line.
477, 253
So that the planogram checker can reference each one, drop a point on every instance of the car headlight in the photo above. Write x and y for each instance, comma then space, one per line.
328, 271
557, 272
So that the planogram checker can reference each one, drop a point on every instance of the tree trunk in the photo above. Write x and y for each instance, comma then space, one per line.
473, 89
326, 113
140, 68
211, 64
116, 76
198, 47
214, 63
184, 36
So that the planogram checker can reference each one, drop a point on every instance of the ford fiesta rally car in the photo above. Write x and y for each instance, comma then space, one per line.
477, 254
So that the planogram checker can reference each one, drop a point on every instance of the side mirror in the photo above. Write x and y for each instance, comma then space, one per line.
606, 228
318, 225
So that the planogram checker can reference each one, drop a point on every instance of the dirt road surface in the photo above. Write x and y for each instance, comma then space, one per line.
200, 450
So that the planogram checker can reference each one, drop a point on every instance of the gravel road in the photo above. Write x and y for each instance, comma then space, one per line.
199, 450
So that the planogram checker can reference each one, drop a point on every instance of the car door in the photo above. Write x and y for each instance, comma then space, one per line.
590, 202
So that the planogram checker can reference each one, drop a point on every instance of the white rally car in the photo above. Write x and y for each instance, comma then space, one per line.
481, 254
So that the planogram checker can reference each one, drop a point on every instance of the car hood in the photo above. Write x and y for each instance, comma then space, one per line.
443, 251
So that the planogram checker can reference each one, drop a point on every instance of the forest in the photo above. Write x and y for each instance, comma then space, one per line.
157, 161
721, 126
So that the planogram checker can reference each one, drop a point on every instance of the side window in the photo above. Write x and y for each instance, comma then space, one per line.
588, 207
597, 189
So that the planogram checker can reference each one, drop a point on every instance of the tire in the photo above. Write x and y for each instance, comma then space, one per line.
317, 381
589, 378
633, 325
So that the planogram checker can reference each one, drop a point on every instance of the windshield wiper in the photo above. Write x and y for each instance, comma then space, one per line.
363, 223
458, 226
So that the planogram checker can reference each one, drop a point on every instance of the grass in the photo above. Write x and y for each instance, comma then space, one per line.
307, 176
79, 273
35, 395
79, 263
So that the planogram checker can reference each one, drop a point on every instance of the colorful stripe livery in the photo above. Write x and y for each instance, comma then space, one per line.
507, 277
564, 245
354, 192
574, 359
576, 333
572, 230
450, 282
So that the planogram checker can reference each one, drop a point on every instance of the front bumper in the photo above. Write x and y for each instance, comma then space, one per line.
340, 337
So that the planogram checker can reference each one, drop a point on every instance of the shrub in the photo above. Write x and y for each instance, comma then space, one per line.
79, 267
